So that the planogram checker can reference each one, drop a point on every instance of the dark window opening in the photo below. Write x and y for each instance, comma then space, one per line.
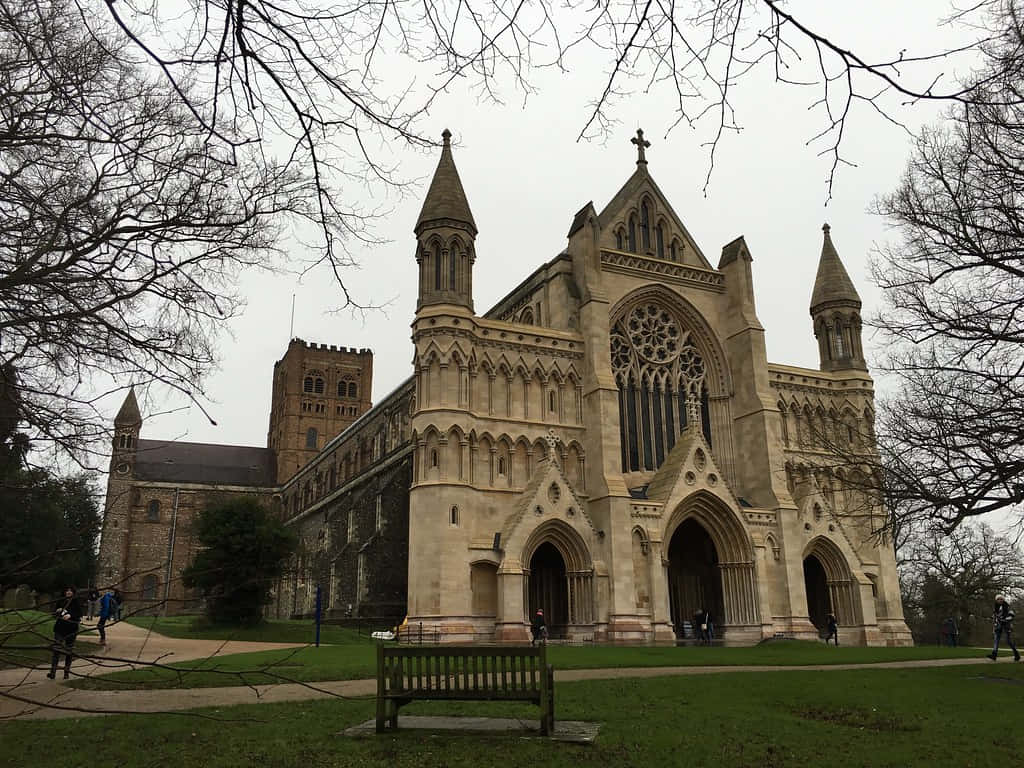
153, 511
311, 437
645, 226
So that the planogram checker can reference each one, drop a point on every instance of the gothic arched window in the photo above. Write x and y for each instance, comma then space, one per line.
307, 384
632, 233
311, 437
618, 239
437, 266
318, 386
660, 378
645, 226
351, 389
452, 255
659, 236
674, 251
839, 346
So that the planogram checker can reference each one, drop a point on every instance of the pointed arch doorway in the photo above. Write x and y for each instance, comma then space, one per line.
549, 590
558, 579
816, 585
694, 578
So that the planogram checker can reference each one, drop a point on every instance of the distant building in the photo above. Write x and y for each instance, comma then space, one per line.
608, 444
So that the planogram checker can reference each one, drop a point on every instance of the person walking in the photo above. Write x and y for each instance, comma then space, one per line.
1002, 624
65, 629
119, 600
538, 628
833, 629
94, 600
108, 609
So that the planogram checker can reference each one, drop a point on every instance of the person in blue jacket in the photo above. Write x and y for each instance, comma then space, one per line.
108, 609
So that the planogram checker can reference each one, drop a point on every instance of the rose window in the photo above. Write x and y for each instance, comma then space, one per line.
660, 376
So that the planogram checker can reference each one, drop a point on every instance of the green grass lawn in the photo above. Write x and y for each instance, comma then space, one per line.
357, 660
26, 638
273, 631
955, 716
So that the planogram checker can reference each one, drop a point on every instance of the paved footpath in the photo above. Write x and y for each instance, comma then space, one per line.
40, 698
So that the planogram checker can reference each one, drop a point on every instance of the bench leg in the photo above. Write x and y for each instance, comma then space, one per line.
381, 704
393, 719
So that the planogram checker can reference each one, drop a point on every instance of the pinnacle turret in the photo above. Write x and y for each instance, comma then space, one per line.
832, 284
445, 204
835, 310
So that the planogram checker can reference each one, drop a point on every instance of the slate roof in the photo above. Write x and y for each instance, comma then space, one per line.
446, 201
176, 462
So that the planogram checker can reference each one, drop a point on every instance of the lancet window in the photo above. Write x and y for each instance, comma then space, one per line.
660, 377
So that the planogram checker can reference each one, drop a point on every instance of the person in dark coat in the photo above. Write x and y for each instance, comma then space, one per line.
94, 601
65, 629
1002, 624
833, 629
119, 600
537, 627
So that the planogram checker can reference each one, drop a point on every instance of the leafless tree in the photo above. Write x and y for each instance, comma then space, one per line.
122, 227
958, 575
952, 435
322, 73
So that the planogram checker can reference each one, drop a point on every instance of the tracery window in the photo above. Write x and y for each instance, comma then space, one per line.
660, 377
619, 239
632, 234
660, 239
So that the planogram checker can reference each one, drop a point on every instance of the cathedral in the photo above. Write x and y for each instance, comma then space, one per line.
608, 444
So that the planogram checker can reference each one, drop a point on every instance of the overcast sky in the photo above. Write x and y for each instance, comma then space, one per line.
526, 174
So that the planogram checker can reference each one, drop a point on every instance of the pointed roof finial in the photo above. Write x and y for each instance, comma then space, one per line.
641, 145
129, 415
446, 203
832, 283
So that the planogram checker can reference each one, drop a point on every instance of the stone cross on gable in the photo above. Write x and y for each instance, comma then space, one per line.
552, 442
641, 145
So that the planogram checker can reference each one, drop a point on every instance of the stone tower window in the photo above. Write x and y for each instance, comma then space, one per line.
451, 268
674, 251
311, 438
551, 401
840, 347
437, 267
645, 226
352, 389
632, 233
659, 235
153, 511
124, 441
453, 516
307, 384
318, 386
306, 406
342, 388
619, 239
501, 465
660, 378
433, 458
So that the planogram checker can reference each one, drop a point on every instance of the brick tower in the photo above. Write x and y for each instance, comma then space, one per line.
318, 391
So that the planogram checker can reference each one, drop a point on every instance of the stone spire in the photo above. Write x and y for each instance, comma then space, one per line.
445, 204
835, 311
129, 415
832, 285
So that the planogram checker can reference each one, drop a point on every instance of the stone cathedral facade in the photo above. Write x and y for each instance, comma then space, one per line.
609, 443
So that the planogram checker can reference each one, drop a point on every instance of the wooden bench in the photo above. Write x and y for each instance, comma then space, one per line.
463, 673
